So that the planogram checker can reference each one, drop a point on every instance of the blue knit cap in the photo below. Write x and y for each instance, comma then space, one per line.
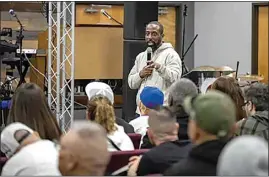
151, 97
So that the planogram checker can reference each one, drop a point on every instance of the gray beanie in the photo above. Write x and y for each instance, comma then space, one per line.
245, 155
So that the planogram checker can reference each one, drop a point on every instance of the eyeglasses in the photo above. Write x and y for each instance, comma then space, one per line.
244, 105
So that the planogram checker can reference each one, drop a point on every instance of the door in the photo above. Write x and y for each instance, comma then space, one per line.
263, 42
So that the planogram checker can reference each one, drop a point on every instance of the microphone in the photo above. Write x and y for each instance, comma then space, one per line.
12, 13
149, 53
109, 17
105, 14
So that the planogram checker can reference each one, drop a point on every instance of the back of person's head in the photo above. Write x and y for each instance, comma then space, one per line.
178, 91
244, 156
15, 136
150, 98
100, 105
231, 87
211, 116
99, 88
29, 106
84, 150
101, 111
163, 126
256, 98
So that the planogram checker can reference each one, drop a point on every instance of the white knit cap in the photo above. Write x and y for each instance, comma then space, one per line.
9, 144
99, 88
244, 156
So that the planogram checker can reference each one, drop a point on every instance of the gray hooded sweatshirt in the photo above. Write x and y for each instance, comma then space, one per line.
169, 72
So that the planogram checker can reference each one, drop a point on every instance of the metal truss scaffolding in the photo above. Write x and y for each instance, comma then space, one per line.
60, 67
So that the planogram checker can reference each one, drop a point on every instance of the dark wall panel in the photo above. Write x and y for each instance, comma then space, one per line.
136, 16
131, 49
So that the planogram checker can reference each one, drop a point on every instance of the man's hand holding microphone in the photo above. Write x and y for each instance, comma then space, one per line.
147, 70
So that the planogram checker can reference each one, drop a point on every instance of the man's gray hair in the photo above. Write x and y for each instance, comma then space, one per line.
179, 90
86, 128
162, 122
258, 94
90, 146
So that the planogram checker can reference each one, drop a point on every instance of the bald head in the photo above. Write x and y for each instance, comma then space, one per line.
84, 150
163, 125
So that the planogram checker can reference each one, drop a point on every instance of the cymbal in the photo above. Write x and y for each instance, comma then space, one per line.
224, 68
231, 74
204, 68
250, 78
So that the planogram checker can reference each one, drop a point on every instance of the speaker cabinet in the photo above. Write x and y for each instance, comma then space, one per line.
136, 16
131, 49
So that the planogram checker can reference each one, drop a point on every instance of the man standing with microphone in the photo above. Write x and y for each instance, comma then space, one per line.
159, 66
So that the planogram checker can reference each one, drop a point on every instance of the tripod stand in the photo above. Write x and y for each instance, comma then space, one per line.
183, 54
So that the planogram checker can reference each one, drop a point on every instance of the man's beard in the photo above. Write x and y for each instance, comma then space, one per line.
153, 45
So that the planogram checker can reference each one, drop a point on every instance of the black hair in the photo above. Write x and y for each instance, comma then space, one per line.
258, 94
161, 29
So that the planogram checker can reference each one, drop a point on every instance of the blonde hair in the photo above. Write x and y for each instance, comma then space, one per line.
143, 109
101, 111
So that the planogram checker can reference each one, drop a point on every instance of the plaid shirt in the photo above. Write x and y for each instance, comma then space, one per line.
254, 125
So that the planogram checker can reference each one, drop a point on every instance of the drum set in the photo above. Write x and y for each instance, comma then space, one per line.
205, 76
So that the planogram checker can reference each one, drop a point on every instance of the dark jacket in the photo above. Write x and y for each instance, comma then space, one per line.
161, 157
127, 127
182, 120
201, 161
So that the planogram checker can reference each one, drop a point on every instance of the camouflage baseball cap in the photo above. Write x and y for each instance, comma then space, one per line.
213, 111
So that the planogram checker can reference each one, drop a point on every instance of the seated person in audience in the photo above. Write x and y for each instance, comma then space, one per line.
231, 87
28, 154
83, 150
176, 95
101, 111
256, 106
30, 107
211, 125
244, 156
163, 133
101, 88
150, 98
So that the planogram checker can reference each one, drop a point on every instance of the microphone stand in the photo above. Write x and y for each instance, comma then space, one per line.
19, 41
111, 18
190, 46
117, 21
184, 67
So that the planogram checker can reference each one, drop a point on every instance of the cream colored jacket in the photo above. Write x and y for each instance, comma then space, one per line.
169, 72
